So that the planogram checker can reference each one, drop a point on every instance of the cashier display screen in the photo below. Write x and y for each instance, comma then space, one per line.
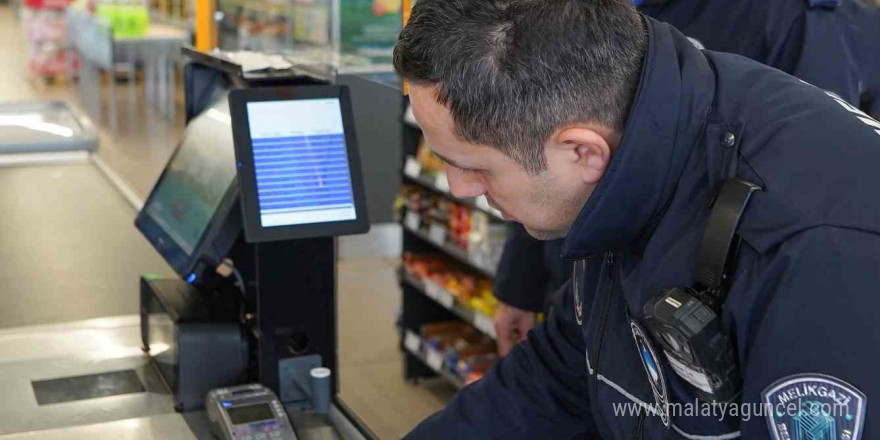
249, 414
196, 179
301, 162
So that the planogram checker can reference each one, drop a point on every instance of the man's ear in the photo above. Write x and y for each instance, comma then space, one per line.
587, 150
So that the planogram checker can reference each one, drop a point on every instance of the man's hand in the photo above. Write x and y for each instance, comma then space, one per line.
511, 326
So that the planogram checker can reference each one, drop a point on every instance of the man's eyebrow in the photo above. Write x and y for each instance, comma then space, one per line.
449, 161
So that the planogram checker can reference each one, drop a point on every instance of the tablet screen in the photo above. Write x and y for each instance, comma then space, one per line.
303, 175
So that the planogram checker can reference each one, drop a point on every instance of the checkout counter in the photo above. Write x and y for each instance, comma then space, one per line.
246, 213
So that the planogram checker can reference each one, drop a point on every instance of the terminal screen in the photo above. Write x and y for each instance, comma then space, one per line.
301, 162
249, 414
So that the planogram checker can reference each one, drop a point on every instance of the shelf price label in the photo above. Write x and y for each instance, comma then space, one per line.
432, 290
446, 299
481, 260
412, 168
441, 182
439, 294
484, 324
412, 220
412, 342
437, 234
434, 360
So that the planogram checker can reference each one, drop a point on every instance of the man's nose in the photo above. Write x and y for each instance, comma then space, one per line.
464, 185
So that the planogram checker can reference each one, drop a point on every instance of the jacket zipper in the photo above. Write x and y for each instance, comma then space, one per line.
639, 427
603, 321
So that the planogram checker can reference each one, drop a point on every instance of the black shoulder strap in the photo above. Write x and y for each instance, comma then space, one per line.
718, 237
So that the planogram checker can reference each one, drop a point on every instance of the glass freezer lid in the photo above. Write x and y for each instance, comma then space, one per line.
43, 125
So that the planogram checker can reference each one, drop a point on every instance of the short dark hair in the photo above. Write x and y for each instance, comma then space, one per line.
512, 72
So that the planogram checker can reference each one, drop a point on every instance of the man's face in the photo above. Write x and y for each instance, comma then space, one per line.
546, 204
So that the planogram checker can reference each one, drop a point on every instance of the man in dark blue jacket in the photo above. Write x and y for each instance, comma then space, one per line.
833, 44
585, 120
864, 28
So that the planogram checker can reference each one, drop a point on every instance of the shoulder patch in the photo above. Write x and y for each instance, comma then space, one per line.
814, 406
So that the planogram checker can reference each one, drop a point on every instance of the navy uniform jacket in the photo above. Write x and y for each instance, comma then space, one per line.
530, 270
833, 44
802, 307
811, 39
864, 26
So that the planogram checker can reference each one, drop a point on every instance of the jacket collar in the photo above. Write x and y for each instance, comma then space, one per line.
667, 117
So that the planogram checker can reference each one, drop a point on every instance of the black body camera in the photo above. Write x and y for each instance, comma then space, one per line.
686, 321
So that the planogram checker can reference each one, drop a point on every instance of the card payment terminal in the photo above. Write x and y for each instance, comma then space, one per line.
248, 412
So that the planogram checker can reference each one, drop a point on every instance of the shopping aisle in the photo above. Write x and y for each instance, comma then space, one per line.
14, 82
68, 250
144, 141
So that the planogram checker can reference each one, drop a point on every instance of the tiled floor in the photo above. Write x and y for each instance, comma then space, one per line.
68, 247
370, 364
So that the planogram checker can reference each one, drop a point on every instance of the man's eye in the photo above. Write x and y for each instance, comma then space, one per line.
468, 170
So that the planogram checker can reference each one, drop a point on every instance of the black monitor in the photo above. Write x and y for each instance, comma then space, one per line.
190, 216
298, 164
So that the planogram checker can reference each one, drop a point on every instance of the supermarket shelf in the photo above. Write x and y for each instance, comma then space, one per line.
450, 249
428, 183
415, 345
446, 299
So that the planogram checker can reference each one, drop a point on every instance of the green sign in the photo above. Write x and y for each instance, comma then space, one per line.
369, 28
